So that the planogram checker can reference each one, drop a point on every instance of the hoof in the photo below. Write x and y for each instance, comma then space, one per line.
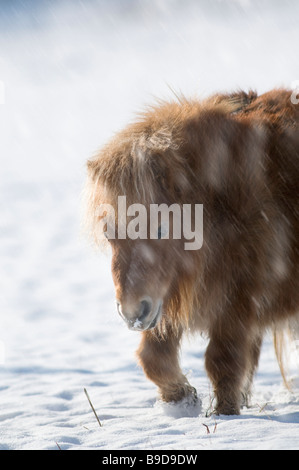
180, 393
222, 408
227, 409
188, 406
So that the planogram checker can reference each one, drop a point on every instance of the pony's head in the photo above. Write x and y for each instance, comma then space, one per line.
142, 169
143, 273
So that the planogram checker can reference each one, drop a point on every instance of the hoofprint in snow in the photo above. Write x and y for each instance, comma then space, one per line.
72, 75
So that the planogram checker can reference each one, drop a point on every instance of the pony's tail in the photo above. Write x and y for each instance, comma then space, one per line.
286, 345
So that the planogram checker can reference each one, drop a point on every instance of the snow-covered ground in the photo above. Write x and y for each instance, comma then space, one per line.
71, 74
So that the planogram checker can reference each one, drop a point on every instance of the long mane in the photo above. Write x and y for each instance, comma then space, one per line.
145, 163
152, 161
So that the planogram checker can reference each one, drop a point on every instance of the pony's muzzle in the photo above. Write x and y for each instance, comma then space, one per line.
142, 317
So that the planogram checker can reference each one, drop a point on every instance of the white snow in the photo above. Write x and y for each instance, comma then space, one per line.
72, 74
137, 324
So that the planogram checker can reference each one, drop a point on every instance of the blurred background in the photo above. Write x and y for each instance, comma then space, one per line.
76, 71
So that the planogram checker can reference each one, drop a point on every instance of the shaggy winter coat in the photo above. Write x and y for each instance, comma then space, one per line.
238, 155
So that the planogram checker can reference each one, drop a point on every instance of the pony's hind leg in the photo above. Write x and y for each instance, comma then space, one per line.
158, 356
227, 364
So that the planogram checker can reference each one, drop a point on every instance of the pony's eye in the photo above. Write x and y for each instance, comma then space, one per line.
162, 232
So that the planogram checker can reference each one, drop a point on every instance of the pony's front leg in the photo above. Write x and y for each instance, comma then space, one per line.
158, 356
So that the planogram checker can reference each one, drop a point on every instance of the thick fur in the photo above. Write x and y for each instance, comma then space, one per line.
238, 155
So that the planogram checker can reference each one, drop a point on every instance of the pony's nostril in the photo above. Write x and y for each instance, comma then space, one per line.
135, 318
145, 309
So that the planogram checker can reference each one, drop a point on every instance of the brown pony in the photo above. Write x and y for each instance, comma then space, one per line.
238, 155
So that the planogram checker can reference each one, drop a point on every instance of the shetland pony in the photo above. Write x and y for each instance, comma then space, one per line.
238, 155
